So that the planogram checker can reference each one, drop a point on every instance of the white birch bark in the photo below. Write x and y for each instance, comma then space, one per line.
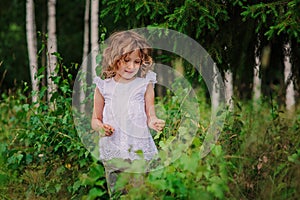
86, 30
94, 33
52, 47
32, 48
215, 96
85, 55
290, 91
160, 79
228, 89
256, 78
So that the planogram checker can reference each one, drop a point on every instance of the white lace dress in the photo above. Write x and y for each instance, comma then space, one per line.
124, 109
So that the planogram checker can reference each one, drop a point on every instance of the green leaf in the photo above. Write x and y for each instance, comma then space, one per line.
217, 150
29, 159
96, 171
159, 184
217, 190
57, 187
294, 158
95, 192
76, 186
157, 135
189, 163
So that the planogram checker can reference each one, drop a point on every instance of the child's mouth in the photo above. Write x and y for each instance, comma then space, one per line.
130, 72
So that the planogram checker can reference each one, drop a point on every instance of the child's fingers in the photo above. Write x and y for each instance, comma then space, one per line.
160, 121
108, 129
159, 126
108, 132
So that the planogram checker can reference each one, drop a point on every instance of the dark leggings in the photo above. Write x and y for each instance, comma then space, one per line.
111, 179
112, 174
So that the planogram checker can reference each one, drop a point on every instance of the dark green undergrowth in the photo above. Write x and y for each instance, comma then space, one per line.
256, 157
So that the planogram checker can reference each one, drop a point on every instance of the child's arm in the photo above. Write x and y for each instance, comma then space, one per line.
97, 117
153, 122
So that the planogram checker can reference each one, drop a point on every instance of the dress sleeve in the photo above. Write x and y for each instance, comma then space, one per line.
151, 77
99, 83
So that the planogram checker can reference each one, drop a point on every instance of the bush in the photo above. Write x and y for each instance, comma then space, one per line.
42, 155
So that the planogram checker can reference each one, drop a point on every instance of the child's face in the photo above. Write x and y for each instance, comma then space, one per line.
129, 66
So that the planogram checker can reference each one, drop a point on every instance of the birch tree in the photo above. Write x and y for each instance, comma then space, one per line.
32, 47
94, 33
52, 48
290, 91
215, 94
86, 30
85, 54
228, 89
256, 77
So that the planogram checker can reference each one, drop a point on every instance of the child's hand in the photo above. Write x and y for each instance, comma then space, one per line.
106, 130
156, 124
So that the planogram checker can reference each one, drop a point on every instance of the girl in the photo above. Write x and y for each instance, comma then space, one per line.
124, 103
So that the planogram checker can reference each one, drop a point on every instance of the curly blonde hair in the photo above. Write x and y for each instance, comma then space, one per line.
121, 44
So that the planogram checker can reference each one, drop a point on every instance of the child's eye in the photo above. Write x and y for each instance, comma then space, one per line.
126, 60
137, 61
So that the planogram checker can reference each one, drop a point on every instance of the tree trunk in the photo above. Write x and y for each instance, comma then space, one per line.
290, 91
256, 77
228, 89
215, 96
86, 30
52, 48
32, 48
159, 88
94, 33
84, 69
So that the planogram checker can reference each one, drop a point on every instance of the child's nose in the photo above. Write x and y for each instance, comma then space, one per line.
130, 65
